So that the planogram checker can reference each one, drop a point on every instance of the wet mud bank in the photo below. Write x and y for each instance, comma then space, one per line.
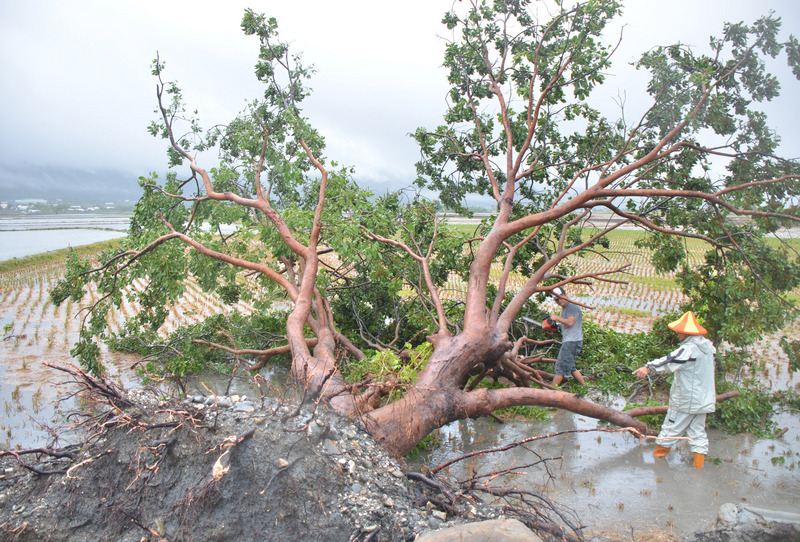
175, 472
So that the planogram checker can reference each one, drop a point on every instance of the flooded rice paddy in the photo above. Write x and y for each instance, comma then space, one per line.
608, 479
27, 235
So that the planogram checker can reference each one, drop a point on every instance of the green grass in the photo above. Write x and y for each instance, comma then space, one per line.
54, 256
523, 412
463, 230
629, 312
793, 243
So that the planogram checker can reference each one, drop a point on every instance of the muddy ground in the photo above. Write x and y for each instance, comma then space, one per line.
269, 474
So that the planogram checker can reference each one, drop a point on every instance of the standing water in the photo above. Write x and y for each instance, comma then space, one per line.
610, 481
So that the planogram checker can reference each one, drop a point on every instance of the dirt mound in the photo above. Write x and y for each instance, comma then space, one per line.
179, 472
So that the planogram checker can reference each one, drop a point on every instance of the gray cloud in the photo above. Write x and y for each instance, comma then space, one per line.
76, 90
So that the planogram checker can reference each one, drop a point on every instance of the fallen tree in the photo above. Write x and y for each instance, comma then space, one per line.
275, 221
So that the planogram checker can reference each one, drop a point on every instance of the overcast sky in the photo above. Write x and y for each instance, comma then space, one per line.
76, 89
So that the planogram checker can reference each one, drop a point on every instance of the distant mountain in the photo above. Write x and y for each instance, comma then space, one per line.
68, 184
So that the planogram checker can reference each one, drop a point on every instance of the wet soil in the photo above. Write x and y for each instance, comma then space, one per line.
272, 474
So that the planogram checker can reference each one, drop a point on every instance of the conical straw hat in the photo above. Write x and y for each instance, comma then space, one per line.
687, 324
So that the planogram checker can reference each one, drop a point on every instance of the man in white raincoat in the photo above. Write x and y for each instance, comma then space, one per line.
693, 394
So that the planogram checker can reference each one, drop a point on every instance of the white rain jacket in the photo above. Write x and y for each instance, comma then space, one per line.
692, 363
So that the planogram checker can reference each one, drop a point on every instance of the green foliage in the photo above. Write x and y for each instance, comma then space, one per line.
652, 420
178, 355
387, 365
750, 412
792, 349
523, 412
428, 443
611, 356
483, 32
789, 399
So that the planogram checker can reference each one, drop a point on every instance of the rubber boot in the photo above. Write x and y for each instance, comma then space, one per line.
698, 460
660, 451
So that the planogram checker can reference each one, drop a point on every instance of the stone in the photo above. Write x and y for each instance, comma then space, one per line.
281, 463
438, 514
388, 502
728, 515
435, 523
244, 406
771, 516
496, 530
235, 398
329, 447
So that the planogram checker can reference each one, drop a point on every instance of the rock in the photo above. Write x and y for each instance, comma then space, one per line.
496, 530
235, 398
388, 502
281, 463
210, 400
244, 406
329, 447
225, 402
356, 488
728, 515
438, 514
397, 473
762, 515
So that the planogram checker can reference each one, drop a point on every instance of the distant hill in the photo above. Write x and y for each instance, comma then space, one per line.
68, 184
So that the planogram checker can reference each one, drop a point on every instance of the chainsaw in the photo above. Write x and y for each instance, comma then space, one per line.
548, 324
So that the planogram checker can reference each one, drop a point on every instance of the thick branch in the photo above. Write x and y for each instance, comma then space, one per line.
483, 402
647, 411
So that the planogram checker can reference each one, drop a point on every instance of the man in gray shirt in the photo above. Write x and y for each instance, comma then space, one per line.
571, 321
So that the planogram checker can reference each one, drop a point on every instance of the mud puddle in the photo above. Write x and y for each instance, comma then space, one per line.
611, 481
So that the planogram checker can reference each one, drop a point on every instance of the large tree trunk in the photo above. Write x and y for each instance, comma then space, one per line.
438, 397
